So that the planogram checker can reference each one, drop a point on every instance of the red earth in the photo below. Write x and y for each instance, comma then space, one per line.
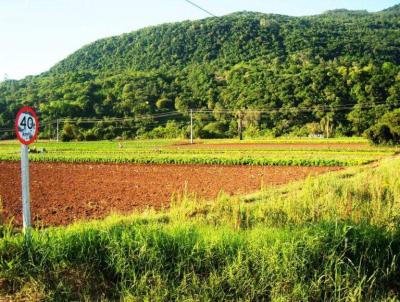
62, 193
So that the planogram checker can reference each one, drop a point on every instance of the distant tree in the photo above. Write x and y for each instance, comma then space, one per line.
327, 125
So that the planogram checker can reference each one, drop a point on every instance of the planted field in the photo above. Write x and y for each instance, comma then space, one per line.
264, 153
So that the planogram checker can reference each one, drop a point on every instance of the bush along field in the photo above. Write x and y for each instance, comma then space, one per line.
330, 238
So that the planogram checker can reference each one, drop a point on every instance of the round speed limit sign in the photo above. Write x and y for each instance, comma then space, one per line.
26, 125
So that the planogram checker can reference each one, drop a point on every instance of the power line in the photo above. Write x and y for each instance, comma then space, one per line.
335, 108
126, 119
199, 7
149, 117
7, 130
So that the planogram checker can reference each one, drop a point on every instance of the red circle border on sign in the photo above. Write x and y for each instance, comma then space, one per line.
27, 109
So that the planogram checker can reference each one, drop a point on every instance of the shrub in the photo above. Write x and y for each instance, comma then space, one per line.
170, 130
214, 130
310, 129
69, 132
387, 130
91, 134
251, 132
164, 103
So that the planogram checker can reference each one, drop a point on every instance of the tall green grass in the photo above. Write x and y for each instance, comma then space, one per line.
330, 238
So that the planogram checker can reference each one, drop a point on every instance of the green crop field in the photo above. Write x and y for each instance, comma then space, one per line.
285, 152
335, 237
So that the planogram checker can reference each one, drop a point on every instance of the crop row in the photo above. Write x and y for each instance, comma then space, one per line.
193, 159
268, 153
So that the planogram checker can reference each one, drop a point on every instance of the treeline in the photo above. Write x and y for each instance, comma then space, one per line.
297, 97
333, 74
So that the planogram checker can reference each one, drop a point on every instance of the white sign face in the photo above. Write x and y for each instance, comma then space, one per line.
26, 125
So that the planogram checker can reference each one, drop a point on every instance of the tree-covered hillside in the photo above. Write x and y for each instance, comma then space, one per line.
244, 36
335, 73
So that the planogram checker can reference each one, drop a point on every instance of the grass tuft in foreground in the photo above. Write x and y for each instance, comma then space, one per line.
331, 238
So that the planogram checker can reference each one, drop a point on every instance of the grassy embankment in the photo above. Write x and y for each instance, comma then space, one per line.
334, 237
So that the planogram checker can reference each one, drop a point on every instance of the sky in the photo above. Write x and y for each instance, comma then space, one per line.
36, 34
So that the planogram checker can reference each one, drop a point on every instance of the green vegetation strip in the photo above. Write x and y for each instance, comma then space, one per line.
189, 159
331, 238
162, 152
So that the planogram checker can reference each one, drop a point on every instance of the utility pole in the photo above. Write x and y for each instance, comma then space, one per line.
240, 125
57, 129
191, 126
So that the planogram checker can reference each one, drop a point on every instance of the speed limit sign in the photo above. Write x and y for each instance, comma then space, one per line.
26, 125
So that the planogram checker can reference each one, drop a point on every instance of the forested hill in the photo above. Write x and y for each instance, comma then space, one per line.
392, 10
336, 73
225, 41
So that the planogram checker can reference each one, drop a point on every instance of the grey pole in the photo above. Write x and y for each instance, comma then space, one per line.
26, 210
240, 126
191, 126
57, 130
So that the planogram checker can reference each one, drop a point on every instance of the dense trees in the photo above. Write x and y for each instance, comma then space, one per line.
387, 130
356, 36
332, 74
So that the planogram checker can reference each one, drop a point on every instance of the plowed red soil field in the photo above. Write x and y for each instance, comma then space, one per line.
62, 193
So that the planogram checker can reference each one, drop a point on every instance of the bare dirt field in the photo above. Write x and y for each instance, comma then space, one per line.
279, 146
62, 193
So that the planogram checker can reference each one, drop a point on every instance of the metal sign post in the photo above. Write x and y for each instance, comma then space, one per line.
26, 209
26, 128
